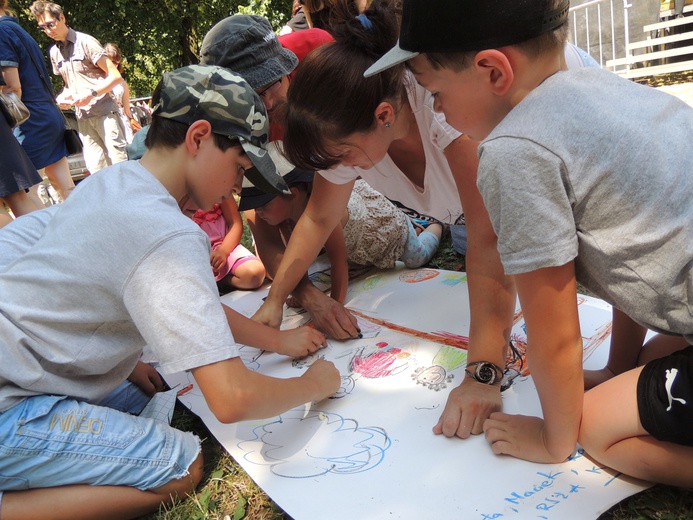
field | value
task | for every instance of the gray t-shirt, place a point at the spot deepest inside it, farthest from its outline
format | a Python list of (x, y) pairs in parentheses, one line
[(599, 169), (117, 266)]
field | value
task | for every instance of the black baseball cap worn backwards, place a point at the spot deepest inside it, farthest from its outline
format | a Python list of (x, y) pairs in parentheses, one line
[(468, 25)]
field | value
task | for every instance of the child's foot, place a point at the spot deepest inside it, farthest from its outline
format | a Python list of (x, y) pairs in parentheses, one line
[(597, 377)]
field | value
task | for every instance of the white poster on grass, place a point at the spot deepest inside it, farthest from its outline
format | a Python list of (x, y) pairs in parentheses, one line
[(369, 451)]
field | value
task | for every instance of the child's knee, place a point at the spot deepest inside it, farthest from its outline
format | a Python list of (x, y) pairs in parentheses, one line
[(184, 486), (252, 273)]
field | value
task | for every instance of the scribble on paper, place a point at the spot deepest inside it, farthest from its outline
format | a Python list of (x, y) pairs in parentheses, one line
[(296, 445), (386, 361), (435, 376)]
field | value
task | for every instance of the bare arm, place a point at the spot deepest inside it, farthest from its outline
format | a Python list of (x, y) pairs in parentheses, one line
[(325, 208), (554, 354), (491, 296), (232, 216), (112, 78), (229, 209), (339, 267), (126, 100), (12, 83), (235, 393), (270, 249), (294, 343)]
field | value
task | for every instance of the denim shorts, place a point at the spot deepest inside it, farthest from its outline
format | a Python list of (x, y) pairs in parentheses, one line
[(49, 441)]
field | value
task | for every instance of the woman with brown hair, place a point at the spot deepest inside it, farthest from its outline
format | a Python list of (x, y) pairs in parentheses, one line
[(382, 129)]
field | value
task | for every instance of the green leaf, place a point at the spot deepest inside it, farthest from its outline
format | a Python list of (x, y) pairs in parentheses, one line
[(239, 512)]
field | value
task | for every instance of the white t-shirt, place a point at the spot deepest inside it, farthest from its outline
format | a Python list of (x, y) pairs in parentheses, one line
[(439, 197), (117, 267)]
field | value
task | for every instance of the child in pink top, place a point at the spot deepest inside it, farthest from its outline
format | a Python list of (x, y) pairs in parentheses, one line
[(234, 267)]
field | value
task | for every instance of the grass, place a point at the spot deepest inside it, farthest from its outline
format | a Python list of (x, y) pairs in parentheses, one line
[(228, 493)]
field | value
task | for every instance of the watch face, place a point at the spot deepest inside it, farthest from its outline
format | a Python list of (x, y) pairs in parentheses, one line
[(486, 373)]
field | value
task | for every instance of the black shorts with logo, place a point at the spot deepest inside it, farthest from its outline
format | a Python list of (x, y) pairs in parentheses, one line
[(665, 397)]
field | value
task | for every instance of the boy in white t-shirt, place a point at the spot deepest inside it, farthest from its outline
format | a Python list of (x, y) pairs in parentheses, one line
[(117, 267)]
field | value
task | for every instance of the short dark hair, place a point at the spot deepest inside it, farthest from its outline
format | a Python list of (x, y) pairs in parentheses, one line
[(329, 98), (168, 133), (40, 8)]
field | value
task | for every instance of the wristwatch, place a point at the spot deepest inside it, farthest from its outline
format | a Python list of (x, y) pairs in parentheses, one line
[(94, 93), (485, 372)]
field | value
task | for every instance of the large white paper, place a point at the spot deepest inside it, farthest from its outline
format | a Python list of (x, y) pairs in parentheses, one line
[(369, 453)]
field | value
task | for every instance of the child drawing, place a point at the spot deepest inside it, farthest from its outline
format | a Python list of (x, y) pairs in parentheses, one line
[(439, 373), (386, 361)]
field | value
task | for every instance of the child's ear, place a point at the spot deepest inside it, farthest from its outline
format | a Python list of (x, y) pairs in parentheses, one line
[(197, 132), (495, 66)]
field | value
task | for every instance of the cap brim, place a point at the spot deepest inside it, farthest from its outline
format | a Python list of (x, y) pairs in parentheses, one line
[(264, 176), (253, 198), (393, 57)]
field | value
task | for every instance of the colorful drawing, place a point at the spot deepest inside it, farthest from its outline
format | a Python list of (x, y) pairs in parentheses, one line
[(370, 283), (453, 279), (439, 373), (345, 448), (384, 362), (420, 275), (453, 340)]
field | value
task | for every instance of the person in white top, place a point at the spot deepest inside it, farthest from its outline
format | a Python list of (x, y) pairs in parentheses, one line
[(388, 134)]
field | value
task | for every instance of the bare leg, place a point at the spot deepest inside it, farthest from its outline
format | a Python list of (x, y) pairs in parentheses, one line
[(103, 502), (248, 276), (626, 342), (612, 434), (659, 346), (21, 203), (58, 174), (5, 217)]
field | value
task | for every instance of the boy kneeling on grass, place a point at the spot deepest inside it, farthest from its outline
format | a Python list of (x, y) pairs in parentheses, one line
[(586, 176), (116, 267)]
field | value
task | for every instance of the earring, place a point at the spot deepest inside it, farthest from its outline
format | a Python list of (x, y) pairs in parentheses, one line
[(387, 125)]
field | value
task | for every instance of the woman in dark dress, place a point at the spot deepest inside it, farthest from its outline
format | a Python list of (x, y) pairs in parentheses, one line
[(17, 174), (42, 135)]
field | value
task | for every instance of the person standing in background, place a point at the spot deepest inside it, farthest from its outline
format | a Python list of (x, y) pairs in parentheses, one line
[(121, 93), (17, 174), (89, 78), (24, 72)]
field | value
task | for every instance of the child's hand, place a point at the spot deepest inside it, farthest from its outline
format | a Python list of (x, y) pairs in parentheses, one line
[(217, 259), (326, 377), (300, 342), (269, 314), (467, 407), (147, 378), (521, 436)]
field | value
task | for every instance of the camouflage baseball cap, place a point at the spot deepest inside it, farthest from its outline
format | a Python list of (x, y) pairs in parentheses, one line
[(223, 98)]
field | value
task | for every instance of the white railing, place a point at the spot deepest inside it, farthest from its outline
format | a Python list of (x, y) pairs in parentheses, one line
[(601, 28)]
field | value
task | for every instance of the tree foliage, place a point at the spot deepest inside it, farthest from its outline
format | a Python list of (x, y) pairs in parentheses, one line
[(154, 35)]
